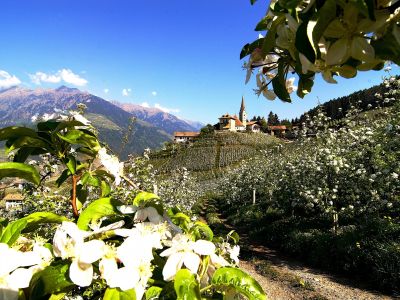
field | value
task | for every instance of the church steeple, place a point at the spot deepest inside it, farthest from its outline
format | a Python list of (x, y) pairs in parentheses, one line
[(242, 108), (242, 113)]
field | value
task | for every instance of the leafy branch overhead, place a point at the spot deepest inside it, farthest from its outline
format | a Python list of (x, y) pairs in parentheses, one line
[(333, 37)]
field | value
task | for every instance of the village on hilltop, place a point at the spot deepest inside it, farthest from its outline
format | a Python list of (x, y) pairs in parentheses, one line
[(234, 123)]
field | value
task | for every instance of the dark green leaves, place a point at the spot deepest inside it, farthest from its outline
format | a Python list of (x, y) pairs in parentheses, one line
[(387, 47), (240, 281), (279, 85), (249, 48), (270, 38), (16, 132), (186, 286), (303, 43), (20, 170)]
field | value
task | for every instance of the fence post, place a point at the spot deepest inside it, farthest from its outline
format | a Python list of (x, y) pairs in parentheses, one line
[(254, 196)]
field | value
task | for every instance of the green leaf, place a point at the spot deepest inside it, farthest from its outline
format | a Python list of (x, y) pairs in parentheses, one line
[(270, 39), (52, 280), (201, 231), (263, 24), (186, 286), (23, 153), (118, 294), (64, 176), (181, 220), (15, 132), (58, 296), (105, 189), (71, 164), (103, 207), (153, 293), (279, 84), (249, 48), (29, 142), (289, 4), (243, 283), (20, 170), (148, 199), (305, 85), (37, 218), (144, 197), (28, 224), (13, 230), (49, 125), (302, 42), (80, 137), (253, 1), (67, 124), (234, 236), (324, 17), (388, 47)]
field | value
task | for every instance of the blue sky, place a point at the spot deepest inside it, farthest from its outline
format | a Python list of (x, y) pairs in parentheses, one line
[(182, 56)]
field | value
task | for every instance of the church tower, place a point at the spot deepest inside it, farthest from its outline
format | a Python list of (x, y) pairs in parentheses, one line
[(242, 113)]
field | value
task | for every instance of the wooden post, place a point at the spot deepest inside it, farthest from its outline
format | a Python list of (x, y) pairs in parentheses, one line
[(254, 196), (155, 189)]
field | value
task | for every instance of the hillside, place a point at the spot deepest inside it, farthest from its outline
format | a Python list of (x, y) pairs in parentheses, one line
[(212, 153), (338, 108), (168, 122), (19, 105)]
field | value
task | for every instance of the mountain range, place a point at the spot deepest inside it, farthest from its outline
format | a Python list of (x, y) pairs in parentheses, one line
[(151, 127)]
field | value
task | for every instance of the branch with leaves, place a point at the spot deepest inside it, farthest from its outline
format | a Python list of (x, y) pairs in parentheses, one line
[(332, 37)]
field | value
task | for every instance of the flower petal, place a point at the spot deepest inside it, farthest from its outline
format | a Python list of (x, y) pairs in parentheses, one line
[(338, 52), (20, 278), (173, 264), (108, 267), (191, 261), (203, 247), (90, 251), (80, 273)]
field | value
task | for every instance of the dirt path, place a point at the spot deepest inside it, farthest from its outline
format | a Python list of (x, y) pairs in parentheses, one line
[(282, 278)]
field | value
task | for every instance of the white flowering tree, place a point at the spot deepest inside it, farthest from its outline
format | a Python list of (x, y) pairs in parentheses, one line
[(113, 247), (329, 37)]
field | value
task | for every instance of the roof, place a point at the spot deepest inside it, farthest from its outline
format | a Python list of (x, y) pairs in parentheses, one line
[(237, 121), (277, 127), (186, 133), (13, 197), (226, 116), (251, 123)]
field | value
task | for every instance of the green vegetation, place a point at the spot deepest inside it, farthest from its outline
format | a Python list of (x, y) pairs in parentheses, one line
[(211, 153), (332, 198)]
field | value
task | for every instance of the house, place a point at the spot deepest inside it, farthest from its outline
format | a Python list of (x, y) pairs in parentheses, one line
[(13, 201), (278, 130), (253, 126), (185, 136), (235, 123)]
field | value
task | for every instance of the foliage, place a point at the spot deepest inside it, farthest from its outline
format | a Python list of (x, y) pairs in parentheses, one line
[(124, 243), (327, 191), (328, 37)]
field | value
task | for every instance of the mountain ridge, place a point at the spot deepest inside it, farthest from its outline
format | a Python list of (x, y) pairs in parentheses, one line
[(18, 106)]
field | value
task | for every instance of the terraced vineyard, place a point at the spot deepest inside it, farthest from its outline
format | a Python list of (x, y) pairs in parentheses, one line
[(212, 153)]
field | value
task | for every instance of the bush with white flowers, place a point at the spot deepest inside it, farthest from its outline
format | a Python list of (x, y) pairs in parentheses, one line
[(112, 246)]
